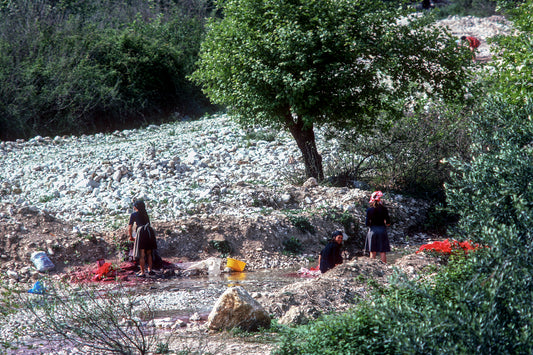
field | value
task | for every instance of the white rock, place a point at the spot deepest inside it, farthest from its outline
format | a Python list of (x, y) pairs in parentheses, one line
[(311, 182), (13, 275), (117, 175), (195, 317)]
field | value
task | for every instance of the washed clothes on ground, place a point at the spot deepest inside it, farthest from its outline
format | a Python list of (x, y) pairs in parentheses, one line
[(330, 256), (377, 238)]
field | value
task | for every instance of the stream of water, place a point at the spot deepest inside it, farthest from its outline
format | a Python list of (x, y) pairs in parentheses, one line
[(186, 296), (255, 281), (180, 298)]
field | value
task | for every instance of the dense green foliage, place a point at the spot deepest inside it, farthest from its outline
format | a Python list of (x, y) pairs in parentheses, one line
[(512, 74), (75, 66), (300, 64), (292, 246), (495, 188), (479, 304), (467, 309)]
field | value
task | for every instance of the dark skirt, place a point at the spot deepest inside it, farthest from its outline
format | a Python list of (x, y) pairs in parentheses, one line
[(143, 241), (377, 239), (147, 243)]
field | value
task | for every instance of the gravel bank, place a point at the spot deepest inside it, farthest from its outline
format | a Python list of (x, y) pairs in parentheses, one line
[(92, 180), (174, 167)]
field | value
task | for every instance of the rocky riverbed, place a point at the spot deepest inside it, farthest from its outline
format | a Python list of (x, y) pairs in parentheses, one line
[(208, 184), (482, 28)]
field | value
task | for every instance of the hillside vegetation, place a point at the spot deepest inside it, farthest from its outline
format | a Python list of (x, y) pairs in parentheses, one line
[(76, 66)]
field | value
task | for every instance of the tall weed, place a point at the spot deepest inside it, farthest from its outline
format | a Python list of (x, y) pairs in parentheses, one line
[(111, 320)]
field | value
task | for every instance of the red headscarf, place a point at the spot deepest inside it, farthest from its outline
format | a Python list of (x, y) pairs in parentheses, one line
[(376, 197)]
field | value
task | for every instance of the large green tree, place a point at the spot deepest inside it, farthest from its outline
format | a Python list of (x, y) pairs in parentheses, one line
[(297, 64)]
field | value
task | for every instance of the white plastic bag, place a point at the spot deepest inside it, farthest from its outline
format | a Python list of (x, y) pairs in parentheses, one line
[(212, 265), (41, 261)]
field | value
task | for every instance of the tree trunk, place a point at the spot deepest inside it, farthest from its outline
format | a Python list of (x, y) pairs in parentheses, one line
[(305, 139)]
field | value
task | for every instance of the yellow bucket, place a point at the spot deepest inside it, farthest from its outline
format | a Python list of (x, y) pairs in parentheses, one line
[(235, 264)]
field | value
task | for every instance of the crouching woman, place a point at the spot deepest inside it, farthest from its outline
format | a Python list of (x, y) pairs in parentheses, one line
[(331, 255)]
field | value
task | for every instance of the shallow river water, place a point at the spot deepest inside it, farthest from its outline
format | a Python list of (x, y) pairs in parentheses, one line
[(187, 299), (182, 297), (253, 281)]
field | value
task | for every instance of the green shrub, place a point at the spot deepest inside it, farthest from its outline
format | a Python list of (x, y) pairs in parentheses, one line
[(348, 333), (303, 224), (439, 219), (406, 156), (78, 67), (494, 189), (261, 135), (292, 245), (462, 311), (222, 246), (349, 224)]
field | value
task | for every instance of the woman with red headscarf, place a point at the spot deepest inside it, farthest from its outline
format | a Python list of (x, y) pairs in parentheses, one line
[(377, 219)]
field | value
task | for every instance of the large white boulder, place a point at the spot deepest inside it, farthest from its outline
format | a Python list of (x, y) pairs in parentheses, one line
[(237, 308)]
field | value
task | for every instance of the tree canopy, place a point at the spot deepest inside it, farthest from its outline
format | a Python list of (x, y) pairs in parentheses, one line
[(76, 66), (296, 64)]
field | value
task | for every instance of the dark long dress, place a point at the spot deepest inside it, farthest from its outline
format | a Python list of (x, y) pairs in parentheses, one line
[(142, 240), (330, 256), (377, 237)]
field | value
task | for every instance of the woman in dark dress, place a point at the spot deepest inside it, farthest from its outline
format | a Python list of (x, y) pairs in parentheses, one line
[(331, 255), (144, 242), (377, 219)]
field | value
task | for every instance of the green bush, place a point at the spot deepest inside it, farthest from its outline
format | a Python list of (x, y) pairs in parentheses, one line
[(405, 156), (465, 309), (347, 333), (222, 246), (493, 195), (292, 245), (73, 67), (303, 224), (349, 224), (494, 189)]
